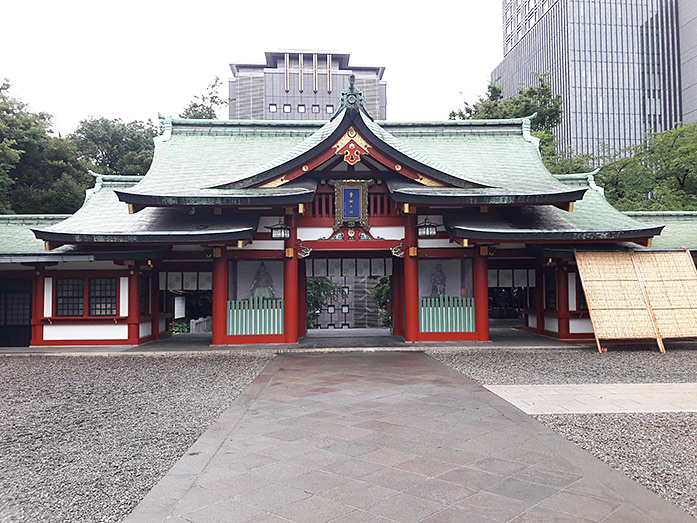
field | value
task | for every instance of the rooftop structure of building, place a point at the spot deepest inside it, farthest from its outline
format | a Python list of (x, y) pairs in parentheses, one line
[(301, 85)]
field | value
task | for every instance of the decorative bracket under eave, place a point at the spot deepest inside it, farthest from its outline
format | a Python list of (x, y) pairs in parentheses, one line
[(352, 146)]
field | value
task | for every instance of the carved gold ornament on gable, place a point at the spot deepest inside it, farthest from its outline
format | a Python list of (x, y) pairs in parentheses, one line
[(351, 146)]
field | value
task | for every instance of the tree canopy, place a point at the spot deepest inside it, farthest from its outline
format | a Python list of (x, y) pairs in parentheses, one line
[(114, 146), (535, 99), (538, 99), (45, 173), (205, 106), (660, 174)]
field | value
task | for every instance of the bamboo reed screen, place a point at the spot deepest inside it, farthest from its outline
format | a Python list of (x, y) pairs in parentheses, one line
[(640, 295)]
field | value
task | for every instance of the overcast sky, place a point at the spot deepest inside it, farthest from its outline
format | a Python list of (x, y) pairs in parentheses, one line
[(132, 59)]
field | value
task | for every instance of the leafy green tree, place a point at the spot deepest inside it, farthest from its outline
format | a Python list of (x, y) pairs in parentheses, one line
[(205, 106), (538, 99), (382, 294), (672, 155), (114, 146), (44, 172), (320, 290), (660, 174), (535, 99)]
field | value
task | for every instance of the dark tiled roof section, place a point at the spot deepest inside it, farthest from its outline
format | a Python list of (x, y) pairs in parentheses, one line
[(411, 192), (593, 219)]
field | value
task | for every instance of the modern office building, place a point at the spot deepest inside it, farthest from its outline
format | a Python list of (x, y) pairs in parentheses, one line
[(301, 85), (688, 58), (623, 67)]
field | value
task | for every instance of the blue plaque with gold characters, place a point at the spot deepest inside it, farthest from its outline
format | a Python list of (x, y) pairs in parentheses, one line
[(351, 203)]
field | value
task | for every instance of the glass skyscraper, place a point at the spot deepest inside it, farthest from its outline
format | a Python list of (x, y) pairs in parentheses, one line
[(616, 63)]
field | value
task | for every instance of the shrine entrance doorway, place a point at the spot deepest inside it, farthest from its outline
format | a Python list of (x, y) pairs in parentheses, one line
[(358, 305)]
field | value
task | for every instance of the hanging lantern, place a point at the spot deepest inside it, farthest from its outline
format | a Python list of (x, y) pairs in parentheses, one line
[(427, 229), (280, 231)]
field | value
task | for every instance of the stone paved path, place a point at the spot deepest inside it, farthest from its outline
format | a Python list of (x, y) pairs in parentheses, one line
[(387, 437), (597, 398)]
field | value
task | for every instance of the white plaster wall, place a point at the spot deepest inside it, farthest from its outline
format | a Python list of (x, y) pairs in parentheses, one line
[(438, 243), (532, 321), (145, 329), (580, 326), (551, 324), (572, 291), (388, 233), (87, 266), (123, 296), (85, 332), (163, 325), (264, 245), (48, 297), (179, 307), (314, 233)]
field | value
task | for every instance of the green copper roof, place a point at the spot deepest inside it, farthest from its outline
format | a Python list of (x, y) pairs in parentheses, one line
[(16, 236), (592, 219), (195, 155), (680, 228), (104, 219), (204, 159)]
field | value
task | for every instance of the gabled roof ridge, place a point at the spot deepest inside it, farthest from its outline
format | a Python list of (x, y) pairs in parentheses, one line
[(458, 123), (189, 122)]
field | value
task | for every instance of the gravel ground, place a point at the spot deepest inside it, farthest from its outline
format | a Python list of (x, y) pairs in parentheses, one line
[(657, 450), (559, 366), (85, 438)]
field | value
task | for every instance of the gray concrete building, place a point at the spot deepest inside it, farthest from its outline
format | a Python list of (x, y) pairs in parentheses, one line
[(301, 85), (688, 58), (623, 67)]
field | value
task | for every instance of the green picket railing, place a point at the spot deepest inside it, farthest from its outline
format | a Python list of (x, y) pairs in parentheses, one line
[(254, 316), (446, 314)]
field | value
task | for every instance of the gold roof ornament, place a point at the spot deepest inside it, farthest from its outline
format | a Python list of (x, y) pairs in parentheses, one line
[(352, 146)]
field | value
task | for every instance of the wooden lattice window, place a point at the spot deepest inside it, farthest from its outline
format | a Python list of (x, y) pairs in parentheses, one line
[(15, 309), (70, 296), (103, 296)]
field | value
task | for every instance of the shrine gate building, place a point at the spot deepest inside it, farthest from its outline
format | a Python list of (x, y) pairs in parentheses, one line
[(251, 209)]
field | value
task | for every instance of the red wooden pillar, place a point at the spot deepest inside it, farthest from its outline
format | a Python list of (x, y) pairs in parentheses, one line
[(220, 296), (411, 282), (133, 306), (397, 297), (302, 298), (37, 309), (481, 295), (563, 299), (290, 285)]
